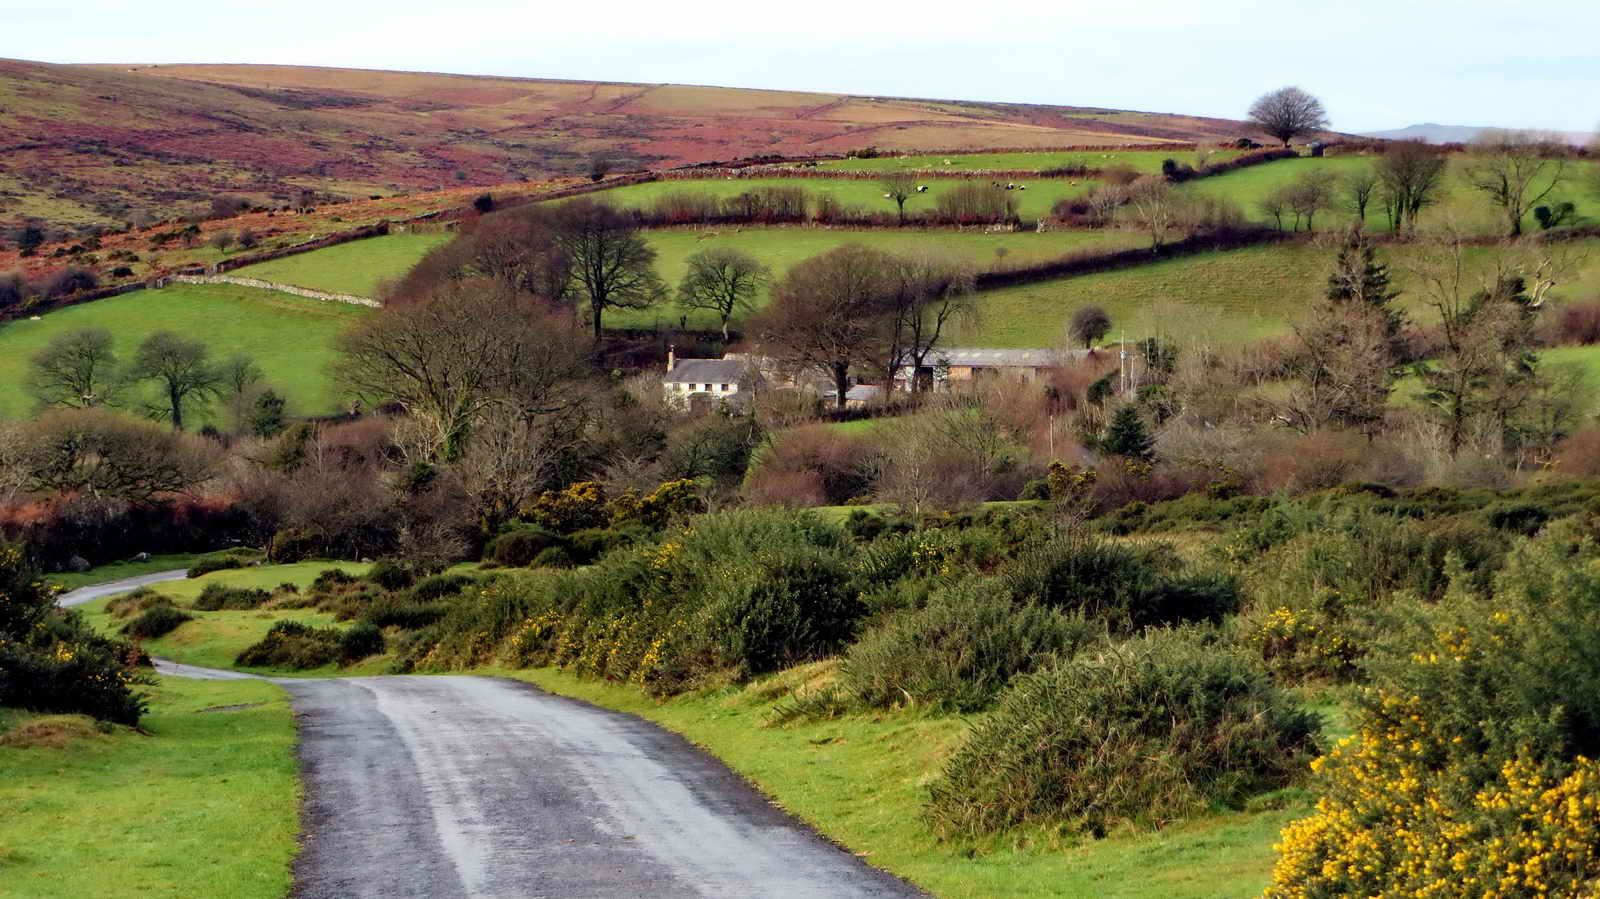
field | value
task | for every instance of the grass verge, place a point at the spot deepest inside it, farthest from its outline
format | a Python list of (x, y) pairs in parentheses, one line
[(116, 571), (210, 796)]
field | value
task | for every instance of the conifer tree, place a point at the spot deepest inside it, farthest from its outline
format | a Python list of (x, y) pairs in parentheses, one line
[(1128, 437)]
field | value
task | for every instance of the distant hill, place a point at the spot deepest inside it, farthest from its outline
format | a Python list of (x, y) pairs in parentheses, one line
[(1459, 134), (87, 144)]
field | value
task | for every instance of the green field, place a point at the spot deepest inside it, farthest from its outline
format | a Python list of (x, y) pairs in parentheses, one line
[(357, 267), (781, 248), (205, 803), (1029, 161), (292, 338), (1223, 297), (116, 571), (867, 195)]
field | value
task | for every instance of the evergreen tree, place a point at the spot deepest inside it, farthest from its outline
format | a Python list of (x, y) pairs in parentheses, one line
[(1128, 437), (1358, 277)]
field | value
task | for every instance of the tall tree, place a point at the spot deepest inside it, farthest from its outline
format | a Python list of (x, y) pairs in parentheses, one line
[(1409, 176), (1359, 278), (927, 296), (1128, 436), (180, 368), (1515, 170), (1357, 190), (612, 265), (103, 454), (826, 313), (471, 350), (1310, 194), (724, 281), (1288, 113), (899, 187), (78, 369)]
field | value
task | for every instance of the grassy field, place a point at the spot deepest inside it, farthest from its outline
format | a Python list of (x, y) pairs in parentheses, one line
[(210, 795), (290, 337), (213, 639), (356, 267), (1223, 297), (1032, 161), (781, 248), (1031, 203)]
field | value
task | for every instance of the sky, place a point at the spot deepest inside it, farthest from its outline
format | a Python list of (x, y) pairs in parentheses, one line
[(1375, 65)]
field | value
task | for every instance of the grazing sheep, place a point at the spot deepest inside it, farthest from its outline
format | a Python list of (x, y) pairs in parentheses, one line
[(888, 196), (1022, 187), (922, 188)]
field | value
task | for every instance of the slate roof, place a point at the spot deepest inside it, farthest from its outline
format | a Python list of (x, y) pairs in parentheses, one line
[(982, 358), (705, 371)]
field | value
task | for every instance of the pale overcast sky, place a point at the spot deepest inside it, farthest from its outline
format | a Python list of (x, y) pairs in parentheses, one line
[(1376, 64)]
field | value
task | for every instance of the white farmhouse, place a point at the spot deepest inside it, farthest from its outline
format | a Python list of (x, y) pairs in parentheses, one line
[(688, 382)]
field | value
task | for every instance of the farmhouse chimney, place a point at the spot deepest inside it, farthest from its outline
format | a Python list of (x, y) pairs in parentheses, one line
[(671, 357)]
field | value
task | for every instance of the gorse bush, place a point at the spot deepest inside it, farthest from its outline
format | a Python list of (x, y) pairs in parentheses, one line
[(297, 645), (389, 574), (218, 563), (957, 653), (50, 661), (219, 596), (518, 548), (1143, 732), (157, 620), (1473, 761), (133, 603), (781, 607), (1130, 587)]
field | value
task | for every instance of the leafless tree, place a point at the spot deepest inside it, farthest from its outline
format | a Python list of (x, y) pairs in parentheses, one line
[(1288, 113), (612, 265), (600, 165), (1515, 170), (1154, 208), (826, 313), (1410, 175), (181, 369), (473, 350), (106, 455), (1312, 193), (78, 369), (724, 281), (929, 295), (899, 187), (1357, 190), (1342, 370)]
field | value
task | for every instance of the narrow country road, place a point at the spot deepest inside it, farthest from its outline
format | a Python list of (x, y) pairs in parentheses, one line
[(88, 594), (456, 787)]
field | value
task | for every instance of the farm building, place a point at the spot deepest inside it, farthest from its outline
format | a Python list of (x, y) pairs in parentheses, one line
[(688, 382), (946, 369)]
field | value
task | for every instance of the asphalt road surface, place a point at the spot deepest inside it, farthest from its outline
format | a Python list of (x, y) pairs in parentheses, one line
[(87, 594), (454, 787)]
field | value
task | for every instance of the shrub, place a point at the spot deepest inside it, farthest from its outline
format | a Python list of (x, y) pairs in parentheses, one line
[(960, 651), (218, 563), (293, 644), (359, 641), (133, 603), (554, 557), (785, 608), (329, 578), (1128, 587), (1157, 728), (218, 596), (1473, 756), (518, 548), (403, 612), (390, 575), (50, 661), (156, 621), (813, 465), (440, 586)]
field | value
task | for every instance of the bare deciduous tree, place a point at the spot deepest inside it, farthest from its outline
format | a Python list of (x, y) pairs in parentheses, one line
[(1288, 113), (473, 350), (724, 281), (182, 370), (103, 454), (77, 369), (826, 313), (929, 295), (1409, 177), (1357, 190), (613, 267), (1515, 170), (899, 187), (1310, 194)]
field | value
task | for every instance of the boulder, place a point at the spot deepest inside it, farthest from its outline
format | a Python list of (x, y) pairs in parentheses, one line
[(77, 564)]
